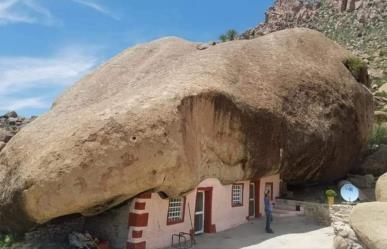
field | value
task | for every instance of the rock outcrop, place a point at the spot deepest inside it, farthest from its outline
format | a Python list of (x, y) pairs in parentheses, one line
[(381, 188), (165, 115), (345, 236), (10, 124), (369, 220), (358, 25), (376, 163)]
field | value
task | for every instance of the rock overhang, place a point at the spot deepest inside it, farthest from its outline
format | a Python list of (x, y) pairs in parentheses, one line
[(165, 115)]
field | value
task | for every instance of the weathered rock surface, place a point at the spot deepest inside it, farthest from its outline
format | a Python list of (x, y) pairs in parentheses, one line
[(362, 181), (381, 188), (369, 220), (376, 163), (383, 88), (163, 116)]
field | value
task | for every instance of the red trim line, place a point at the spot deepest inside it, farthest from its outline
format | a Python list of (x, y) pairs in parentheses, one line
[(136, 234), (212, 229), (139, 205), (138, 245), (138, 220), (144, 195)]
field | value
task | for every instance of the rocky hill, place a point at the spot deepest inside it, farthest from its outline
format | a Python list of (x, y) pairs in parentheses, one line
[(358, 25), (10, 124)]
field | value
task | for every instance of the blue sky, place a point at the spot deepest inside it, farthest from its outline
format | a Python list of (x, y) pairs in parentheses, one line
[(46, 45)]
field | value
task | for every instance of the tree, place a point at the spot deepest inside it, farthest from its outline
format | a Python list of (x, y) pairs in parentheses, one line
[(223, 38), (230, 35)]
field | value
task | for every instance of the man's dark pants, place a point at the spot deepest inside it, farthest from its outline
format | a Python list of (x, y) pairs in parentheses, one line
[(268, 220)]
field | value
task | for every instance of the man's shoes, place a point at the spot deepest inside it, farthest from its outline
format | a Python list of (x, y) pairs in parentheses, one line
[(269, 231)]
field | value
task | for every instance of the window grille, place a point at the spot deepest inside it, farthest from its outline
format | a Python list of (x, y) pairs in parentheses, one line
[(237, 194), (175, 209)]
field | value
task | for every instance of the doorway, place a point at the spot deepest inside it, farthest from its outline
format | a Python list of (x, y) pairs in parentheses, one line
[(252, 200), (269, 186), (199, 212), (203, 211)]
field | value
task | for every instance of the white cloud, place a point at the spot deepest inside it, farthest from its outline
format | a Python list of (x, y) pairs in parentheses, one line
[(95, 6), (24, 72), (24, 11), (32, 12), (7, 104), (34, 77)]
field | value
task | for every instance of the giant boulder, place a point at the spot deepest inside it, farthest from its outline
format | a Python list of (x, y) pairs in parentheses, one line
[(381, 188), (369, 220), (165, 115)]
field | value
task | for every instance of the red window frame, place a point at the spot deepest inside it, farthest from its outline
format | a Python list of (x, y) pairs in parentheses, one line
[(170, 222), (239, 204)]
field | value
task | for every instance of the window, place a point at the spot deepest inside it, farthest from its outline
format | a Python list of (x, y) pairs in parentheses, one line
[(237, 195), (176, 210)]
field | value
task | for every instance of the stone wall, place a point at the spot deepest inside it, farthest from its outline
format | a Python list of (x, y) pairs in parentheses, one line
[(56, 230), (318, 212), (111, 226), (345, 237), (52, 235)]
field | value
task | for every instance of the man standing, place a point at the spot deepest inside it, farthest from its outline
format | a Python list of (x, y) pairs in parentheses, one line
[(268, 211)]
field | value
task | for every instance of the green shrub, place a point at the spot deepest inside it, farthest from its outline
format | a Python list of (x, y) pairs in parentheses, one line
[(358, 68), (223, 38), (381, 94), (378, 136), (6, 240), (230, 35), (380, 81), (330, 192)]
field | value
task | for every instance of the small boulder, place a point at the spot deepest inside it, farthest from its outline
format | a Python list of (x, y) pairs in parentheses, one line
[(369, 220), (381, 188), (5, 135), (11, 114), (383, 88), (380, 116), (202, 46), (362, 181), (376, 163), (340, 243)]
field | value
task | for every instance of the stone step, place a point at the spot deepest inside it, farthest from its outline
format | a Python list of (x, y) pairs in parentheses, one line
[(286, 213), (284, 206)]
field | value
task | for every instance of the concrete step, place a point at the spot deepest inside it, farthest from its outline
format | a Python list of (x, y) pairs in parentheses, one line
[(284, 206), (286, 213)]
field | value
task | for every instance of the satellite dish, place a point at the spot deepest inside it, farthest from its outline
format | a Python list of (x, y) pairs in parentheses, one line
[(349, 192)]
